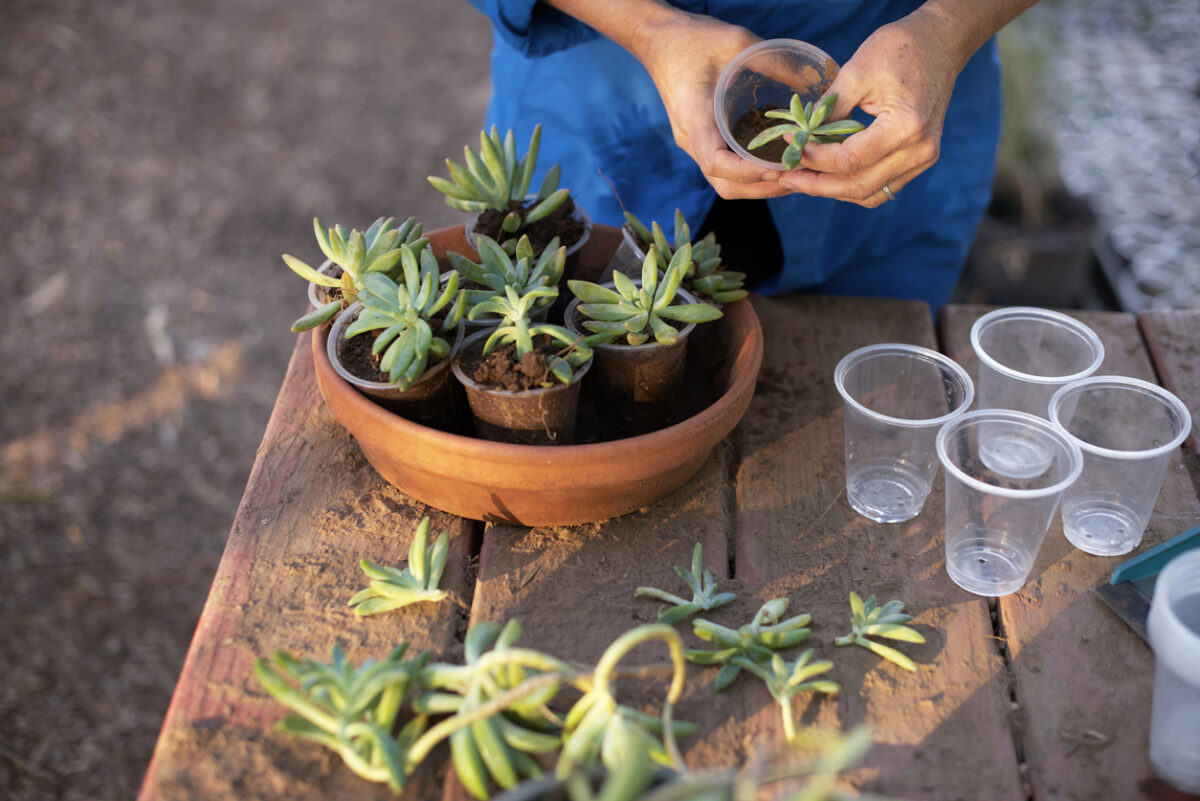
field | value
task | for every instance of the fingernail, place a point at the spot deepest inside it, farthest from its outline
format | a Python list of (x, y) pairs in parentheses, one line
[(770, 176)]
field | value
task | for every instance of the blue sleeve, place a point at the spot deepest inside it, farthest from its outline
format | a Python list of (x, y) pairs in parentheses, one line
[(534, 29)]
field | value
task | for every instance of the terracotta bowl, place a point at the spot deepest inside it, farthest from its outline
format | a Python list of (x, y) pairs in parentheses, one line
[(535, 485)]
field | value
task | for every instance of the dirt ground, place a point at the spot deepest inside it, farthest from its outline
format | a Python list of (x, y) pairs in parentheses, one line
[(155, 161)]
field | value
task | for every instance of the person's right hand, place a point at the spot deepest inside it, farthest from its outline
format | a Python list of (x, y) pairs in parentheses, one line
[(684, 54)]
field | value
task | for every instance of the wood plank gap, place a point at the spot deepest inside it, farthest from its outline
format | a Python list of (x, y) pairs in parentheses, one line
[(1016, 718), (729, 503), (471, 568)]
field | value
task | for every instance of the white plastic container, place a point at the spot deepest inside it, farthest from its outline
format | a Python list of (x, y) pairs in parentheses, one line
[(1174, 631)]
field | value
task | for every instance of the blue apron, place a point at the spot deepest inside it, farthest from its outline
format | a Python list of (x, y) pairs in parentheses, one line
[(604, 123)]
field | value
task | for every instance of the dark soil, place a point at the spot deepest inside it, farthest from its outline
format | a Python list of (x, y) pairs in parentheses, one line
[(559, 223), (356, 356), (503, 369), (156, 160), (754, 122)]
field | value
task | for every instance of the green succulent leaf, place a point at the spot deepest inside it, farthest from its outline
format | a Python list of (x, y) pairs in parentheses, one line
[(309, 274), (317, 317), (839, 128), (639, 230), (691, 313), (771, 134)]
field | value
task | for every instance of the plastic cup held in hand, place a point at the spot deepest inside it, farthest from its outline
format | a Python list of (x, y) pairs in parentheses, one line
[(767, 74), (1174, 631), (895, 397), (1025, 355), (995, 522), (1127, 430)]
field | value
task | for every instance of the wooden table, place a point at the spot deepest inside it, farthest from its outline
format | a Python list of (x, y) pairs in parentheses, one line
[(1043, 694)]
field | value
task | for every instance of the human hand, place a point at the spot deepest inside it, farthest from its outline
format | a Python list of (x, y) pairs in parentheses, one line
[(902, 75), (684, 54)]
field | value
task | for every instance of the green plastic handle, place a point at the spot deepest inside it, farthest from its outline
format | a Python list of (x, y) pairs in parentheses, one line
[(1152, 561)]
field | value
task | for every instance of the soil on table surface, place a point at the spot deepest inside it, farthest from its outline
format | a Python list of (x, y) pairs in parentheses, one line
[(559, 223), (754, 122)]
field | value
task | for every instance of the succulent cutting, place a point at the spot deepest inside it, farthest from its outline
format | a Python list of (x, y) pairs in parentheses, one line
[(704, 277), (786, 680), (495, 178), (633, 312), (704, 592), (357, 254), (498, 269), (352, 711), (404, 313), (805, 123), (391, 588), (868, 619), (756, 641)]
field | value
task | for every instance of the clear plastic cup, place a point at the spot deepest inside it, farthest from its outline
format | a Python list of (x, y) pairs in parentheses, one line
[(895, 397), (1025, 355), (768, 74), (1174, 631), (995, 523), (1127, 430)]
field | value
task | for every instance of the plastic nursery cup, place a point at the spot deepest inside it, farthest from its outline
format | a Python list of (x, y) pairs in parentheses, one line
[(995, 523), (895, 397), (768, 74), (1025, 355), (1174, 631), (1127, 430)]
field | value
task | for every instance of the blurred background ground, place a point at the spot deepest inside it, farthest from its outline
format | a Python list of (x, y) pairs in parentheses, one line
[(155, 161)]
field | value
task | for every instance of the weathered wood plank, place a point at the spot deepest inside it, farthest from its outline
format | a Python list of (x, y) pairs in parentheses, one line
[(572, 588), (1173, 339), (1083, 679), (313, 507), (943, 731)]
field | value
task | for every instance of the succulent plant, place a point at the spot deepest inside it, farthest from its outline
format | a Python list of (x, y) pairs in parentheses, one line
[(785, 680), (497, 269), (494, 177), (704, 278), (391, 588), (351, 711), (805, 122), (868, 619), (404, 314), (635, 313), (516, 328), (756, 641), (357, 253), (704, 591), (495, 748), (598, 729)]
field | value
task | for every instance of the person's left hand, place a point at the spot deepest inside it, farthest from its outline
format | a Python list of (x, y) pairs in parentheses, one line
[(902, 75)]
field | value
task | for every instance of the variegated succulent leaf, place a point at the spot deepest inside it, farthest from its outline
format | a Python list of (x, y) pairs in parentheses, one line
[(868, 619), (804, 122)]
